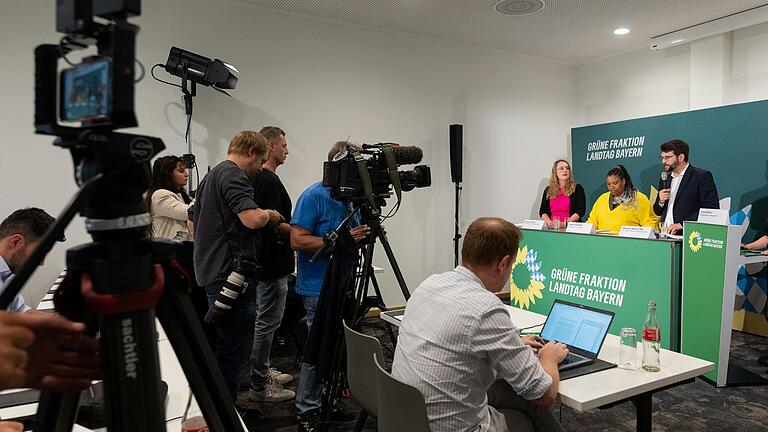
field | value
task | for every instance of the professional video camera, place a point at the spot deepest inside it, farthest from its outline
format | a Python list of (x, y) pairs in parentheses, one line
[(352, 170)]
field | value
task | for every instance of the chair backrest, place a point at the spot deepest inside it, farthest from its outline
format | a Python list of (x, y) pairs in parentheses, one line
[(361, 371), (401, 406)]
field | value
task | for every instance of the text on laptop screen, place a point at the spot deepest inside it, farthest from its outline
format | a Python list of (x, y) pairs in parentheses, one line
[(574, 326)]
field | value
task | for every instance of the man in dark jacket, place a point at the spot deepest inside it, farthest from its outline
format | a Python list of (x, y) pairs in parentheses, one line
[(689, 189)]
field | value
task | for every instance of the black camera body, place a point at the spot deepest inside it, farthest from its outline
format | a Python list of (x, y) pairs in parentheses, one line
[(246, 265), (343, 173), (243, 267), (85, 103), (99, 92)]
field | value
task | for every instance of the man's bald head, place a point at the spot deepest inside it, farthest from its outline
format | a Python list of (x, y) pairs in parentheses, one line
[(489, 239)]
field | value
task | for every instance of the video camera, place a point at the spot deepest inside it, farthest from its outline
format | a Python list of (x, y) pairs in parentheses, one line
[(85, 103), (352, 171), (99, 92)]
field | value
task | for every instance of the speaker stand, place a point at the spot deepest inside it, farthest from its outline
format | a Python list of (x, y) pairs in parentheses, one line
[(456, 235)]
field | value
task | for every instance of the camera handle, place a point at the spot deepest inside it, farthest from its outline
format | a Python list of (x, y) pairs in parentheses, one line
[(329, 238)]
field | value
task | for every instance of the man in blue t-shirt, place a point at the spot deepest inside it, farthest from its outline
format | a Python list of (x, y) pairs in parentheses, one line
[(316, 214)]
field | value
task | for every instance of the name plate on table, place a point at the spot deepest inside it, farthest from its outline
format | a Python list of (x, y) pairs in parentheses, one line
[(580, 228), (534, 224), (713, 216), (637, 232)]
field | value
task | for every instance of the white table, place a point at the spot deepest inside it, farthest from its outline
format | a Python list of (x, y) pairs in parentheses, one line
[(612, 386)]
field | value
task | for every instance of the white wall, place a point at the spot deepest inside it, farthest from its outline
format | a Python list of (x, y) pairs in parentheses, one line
[(321, 81), (726, 69)]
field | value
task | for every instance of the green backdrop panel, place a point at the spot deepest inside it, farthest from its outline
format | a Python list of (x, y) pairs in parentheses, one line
[(611, 273), (702, 303), (729, 141)]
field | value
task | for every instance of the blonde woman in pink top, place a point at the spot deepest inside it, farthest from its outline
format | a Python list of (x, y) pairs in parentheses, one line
[(563, 199)]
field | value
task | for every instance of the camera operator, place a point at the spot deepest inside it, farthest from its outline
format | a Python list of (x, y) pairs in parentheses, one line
[(316, 214), (277, 261), (224, 217)]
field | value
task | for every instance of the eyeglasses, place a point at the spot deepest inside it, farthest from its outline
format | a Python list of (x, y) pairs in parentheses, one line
[(668, 157), (563, 169)]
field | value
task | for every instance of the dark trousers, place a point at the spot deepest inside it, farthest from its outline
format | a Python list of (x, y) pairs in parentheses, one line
[(502, 397), (235, 334)]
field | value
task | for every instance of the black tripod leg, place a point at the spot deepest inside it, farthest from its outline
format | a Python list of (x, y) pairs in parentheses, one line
[(365, 276), (393, 262), (56, 412), (132, 372), (382, 306), (181, 324), (377, 290)]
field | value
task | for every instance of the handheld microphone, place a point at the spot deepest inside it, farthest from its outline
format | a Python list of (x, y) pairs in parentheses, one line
[(666, 181)]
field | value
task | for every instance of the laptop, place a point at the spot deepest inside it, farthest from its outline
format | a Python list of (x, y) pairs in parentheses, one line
[(581, 328)]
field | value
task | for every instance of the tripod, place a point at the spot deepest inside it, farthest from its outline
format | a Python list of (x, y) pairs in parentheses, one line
[(363, 302), (116, 284)]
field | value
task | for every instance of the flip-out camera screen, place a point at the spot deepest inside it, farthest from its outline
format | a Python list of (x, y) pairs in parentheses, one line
[(85, 92)]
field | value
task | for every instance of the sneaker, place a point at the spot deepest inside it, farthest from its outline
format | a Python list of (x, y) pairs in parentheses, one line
[(310, 423), (279, 377), (272, 392)]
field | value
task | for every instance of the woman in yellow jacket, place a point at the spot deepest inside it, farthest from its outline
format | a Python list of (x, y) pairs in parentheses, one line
[(622, 204)]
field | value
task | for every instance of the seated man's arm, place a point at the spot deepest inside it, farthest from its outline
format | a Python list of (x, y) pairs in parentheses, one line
[(550, 356), (303, 240), (532, 378)]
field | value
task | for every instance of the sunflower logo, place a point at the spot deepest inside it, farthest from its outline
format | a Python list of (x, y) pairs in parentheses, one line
[(694, 241), (526, 281)]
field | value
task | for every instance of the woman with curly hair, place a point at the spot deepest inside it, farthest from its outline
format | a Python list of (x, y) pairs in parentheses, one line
[(622, 205)]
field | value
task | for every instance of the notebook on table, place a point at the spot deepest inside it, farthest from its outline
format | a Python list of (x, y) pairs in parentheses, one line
[(582, 329)]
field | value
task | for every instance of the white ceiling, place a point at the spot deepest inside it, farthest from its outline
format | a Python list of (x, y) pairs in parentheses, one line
[(573, 31)]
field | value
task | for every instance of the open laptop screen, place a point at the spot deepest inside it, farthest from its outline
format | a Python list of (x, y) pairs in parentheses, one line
[(577, 326)]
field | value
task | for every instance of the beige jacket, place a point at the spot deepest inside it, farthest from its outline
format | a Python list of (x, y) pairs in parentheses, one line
[(169, 214)]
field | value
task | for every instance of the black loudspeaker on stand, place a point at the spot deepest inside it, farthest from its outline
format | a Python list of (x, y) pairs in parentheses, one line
[(456, 138)]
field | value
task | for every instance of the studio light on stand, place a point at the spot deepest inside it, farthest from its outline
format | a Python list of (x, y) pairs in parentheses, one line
[(196, 69)]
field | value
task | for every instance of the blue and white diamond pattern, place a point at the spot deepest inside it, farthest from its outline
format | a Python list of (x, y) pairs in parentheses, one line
[(533, 266), (752, 290)]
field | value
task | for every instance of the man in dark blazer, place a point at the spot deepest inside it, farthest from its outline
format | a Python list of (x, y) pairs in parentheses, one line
[(687, 190)]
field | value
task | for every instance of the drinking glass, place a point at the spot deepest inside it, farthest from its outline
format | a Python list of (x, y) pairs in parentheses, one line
[(629, 357)]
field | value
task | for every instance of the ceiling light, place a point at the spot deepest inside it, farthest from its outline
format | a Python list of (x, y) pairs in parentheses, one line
[(518, 7), (621, 31)]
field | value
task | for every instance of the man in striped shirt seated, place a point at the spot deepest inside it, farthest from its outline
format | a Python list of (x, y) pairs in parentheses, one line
[(458, 346)]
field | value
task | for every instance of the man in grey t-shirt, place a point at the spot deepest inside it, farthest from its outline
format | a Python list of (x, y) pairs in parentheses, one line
[(224, 217)]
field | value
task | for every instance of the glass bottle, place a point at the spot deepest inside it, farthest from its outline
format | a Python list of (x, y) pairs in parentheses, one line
[(651, 340)]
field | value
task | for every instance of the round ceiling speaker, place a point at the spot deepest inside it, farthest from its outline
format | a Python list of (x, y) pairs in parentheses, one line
[(519, 7)]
